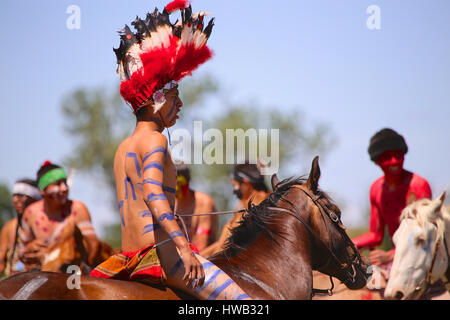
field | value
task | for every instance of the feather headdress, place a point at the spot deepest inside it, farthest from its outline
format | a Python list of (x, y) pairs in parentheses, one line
[(160, 53)]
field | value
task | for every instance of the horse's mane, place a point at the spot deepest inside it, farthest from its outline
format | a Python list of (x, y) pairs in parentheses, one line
[(257, 219), (419, 212)]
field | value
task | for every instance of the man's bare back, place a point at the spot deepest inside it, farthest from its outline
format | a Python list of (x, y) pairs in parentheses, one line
[(140, 160)]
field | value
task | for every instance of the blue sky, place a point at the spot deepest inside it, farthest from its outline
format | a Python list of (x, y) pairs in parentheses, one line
[(315, 56)]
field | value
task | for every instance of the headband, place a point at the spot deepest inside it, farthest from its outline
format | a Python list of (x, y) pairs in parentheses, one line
[(50, 177), (27, 190)]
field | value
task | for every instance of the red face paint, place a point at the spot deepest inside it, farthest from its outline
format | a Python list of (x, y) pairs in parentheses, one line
[(391, 162)]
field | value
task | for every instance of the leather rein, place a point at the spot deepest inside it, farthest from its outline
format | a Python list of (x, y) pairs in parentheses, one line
[(351, 276), (445, 253)]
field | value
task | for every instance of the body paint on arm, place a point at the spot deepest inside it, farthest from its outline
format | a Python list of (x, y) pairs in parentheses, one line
[(167, 215), (157, 149), (155, 165)]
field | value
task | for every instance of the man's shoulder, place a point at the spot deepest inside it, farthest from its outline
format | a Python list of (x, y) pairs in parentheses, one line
[(33, 208), (10, 225), (418, 180), (377, 185), (77, 204), (419, 183), (203, 197)]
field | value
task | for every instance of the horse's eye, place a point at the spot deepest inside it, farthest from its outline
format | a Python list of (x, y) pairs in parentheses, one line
[(420, 241)]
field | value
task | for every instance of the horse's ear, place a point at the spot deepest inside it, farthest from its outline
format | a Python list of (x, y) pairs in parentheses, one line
[(442, 197), (314, 175), (411, 198), (274, 180), (441, 200)]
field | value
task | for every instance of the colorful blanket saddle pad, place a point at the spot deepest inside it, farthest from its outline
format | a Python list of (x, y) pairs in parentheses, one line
[(142, 264)]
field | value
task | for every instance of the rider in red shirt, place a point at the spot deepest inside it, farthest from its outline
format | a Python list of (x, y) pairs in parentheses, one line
[(389, 193)]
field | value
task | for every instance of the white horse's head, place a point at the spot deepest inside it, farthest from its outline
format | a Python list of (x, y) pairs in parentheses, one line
[(419, 240)]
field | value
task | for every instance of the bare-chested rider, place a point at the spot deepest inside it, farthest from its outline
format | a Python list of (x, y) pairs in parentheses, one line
[(24, 193), (145, 174), (248, 185), (192, 206), (46, 221)]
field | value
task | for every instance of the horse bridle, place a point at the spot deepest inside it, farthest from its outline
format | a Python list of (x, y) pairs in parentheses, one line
[(351, 276), (424, 284)]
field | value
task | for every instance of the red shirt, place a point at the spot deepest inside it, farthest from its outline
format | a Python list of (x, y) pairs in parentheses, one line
[(386, 207)]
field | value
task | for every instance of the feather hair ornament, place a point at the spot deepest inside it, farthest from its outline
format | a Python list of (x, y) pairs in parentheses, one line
[(159, 53)]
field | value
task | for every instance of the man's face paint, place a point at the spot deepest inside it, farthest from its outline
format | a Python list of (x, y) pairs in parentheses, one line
[(391, 162), (58, 191), (182, 187), (237, 189)]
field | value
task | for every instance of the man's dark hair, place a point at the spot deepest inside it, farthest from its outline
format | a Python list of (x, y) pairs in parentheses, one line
[(386, 140), (250, 172), (183, 170)]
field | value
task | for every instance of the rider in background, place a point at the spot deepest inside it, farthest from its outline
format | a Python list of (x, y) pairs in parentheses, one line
[(24, 193), (389, 194), (44, 221), (248, 185), (202, 230)]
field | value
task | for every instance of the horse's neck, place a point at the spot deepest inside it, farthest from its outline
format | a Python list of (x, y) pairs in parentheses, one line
[(284, 274)]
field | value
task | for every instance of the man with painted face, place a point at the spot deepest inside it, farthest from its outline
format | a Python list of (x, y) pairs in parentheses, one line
[(201, 229), (45, 221), (24, 193), (389, 194), (248, 185)]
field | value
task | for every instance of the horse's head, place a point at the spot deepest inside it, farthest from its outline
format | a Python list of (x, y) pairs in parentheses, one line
[(420, 249), (333, 252)]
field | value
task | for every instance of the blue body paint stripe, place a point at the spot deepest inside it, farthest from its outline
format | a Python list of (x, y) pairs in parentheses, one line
[(121, 212), (136, 162), (213, 277), (167, 215), (175, 268), (219, 289), (150, 227), (158, 149), (243, 296), (154, 197), (208, 265), (145, 213), (171, 111), (175, 234), (155, 165), (169, 189), (152, 181), (127, 179)]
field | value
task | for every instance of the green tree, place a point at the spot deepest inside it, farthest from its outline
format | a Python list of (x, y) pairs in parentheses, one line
[(98, 121), (6, 206)]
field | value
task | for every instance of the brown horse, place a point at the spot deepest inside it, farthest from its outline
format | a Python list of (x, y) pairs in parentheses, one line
[(270, 255), (71, 250)]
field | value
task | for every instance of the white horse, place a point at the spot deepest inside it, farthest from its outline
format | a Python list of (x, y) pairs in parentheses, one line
[(422, 249)]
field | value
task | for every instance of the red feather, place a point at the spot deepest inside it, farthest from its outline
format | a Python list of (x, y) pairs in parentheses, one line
[(177, 5), (46, 163)]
